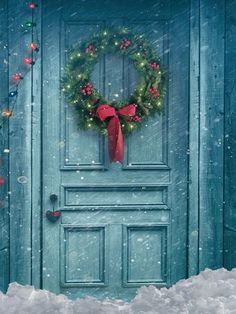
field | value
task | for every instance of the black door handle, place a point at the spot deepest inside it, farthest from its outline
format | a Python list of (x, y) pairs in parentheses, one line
[(53, 198)]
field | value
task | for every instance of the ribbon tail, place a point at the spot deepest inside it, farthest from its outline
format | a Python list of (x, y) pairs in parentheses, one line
[(115, 140)]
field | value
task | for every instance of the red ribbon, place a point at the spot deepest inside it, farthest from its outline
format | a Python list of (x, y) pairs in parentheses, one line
[(115, 136)]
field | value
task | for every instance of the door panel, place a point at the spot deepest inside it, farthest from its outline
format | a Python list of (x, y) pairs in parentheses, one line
[(122, 226)]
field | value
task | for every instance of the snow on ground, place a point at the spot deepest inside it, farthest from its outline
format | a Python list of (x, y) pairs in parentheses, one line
[(211, 292)]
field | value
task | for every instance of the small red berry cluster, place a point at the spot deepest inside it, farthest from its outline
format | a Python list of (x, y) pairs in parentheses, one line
[(136, 119), (154, 92), (155, 66), (90, 49), (87, 89), (125, 43)]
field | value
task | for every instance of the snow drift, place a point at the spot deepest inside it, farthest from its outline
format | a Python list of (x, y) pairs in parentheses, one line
[(211, 292)]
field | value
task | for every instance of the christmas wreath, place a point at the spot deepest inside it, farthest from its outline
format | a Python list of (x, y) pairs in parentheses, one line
[(114, 118)]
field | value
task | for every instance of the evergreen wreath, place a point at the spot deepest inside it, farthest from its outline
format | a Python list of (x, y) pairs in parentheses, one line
[(96, 112)]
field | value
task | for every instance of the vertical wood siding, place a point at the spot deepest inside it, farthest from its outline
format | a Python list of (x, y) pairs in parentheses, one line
[(230, 137), (211, 123), (4, 217)]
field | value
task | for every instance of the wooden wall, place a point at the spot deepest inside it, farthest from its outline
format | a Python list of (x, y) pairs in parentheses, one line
[(212, 136)]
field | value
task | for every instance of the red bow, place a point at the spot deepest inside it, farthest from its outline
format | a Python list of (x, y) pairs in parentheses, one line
[(115, 136)]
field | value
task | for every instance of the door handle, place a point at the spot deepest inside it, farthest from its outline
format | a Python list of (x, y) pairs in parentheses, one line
[(53, 198), (53, 215)]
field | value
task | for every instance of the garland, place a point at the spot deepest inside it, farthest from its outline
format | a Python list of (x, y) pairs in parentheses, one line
[(95, 111)]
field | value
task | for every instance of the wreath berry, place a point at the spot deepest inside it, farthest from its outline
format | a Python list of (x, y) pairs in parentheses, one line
[(114, 118)]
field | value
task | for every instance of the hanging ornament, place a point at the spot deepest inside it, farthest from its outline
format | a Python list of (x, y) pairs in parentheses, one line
[(28, 61), (7, 113), (33, 5), (17, 77), (13, 93), (34, 47)]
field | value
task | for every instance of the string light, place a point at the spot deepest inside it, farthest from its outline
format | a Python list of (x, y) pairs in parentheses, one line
[(30, 24), (33, 5), (28, 61), (34, 46), (7, 114), (17, 77), (13, 93)]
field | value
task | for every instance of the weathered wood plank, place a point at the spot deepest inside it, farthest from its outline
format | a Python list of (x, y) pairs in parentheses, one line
[(194, 140), (4, 273), (36, 160), (230, 137), (211, 133), (178, 135), (51, 114), (4, 217), (20, 143)]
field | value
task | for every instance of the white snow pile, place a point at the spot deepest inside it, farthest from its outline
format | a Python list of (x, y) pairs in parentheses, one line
[(211, 292)]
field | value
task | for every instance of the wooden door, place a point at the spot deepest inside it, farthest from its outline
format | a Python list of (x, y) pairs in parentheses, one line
[(122, 226)]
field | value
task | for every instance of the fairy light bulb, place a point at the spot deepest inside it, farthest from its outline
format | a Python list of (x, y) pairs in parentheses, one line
[(28, 61), (7, 113), (33, 5), (30, 24), (17, 77), (13, 93), (34, 46)]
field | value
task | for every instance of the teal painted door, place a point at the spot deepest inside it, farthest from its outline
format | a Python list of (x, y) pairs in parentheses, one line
[(122, 226)]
